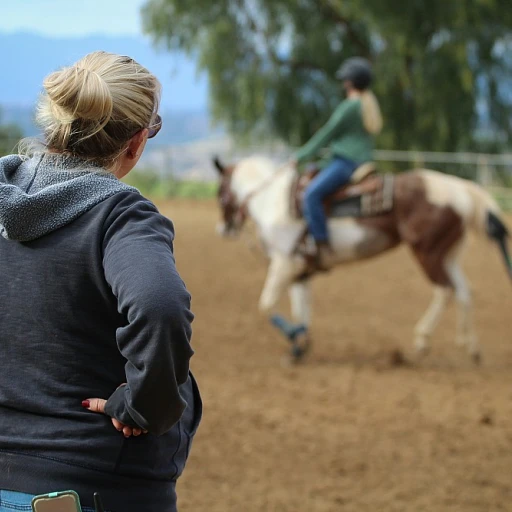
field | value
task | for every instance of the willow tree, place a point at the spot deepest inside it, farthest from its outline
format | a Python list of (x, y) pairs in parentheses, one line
[(443, 76)]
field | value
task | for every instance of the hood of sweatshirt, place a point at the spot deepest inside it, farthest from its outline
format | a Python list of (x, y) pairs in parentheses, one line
[(47, 191)]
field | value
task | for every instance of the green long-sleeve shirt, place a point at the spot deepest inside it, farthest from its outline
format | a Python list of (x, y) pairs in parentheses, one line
[(344, 134)]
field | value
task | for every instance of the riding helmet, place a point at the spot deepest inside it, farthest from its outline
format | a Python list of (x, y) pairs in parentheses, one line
[(358, 71)]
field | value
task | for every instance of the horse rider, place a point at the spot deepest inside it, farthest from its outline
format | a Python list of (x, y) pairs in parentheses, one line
[(349, 134)]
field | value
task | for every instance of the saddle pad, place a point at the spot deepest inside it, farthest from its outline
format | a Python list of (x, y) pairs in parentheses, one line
[(367, 204)]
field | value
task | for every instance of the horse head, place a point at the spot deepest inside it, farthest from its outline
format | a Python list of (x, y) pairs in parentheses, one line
[(232, 214)]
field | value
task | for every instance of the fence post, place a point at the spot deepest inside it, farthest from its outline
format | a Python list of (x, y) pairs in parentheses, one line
[(418, 160), (484, 175)]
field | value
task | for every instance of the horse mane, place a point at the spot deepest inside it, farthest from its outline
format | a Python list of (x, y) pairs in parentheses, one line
[(256, 166)]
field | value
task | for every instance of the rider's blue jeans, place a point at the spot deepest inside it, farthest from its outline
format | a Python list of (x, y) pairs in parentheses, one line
[(336, 174), (11, 501)]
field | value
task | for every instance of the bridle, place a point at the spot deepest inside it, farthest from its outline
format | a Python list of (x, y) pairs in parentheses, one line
[(234, 215)]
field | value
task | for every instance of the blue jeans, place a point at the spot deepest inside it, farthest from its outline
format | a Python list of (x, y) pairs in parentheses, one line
[(18, 501), (336, 174)]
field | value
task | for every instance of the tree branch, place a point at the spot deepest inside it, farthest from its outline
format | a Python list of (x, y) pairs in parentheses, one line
[(276, 59), (334, 15), (298, 64)]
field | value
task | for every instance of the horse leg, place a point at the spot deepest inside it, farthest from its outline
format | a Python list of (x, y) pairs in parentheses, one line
[(300, 300), (425, 327), (281, 274), (466, 335)]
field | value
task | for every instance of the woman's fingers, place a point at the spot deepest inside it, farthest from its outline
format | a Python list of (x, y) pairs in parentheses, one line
[(98, 405), (95, 404), (117, 424), (126, 429)]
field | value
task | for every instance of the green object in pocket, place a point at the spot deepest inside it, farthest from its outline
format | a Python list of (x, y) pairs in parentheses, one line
[(64, 501)]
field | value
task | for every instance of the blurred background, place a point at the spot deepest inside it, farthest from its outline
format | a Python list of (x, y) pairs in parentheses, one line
[(351, 429), (245, 76)]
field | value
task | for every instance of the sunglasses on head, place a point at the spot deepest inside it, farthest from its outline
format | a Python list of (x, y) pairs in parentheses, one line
[(154, 128)]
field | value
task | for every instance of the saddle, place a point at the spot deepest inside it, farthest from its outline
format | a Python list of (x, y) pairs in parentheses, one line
[(367, 193)]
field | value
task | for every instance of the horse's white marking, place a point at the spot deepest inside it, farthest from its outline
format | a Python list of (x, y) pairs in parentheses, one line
[(425, 327), (283, 237), (469, 200), (466, 335), (221, 229), (442, 190), (346, 236), (300, 299), (281, 273)]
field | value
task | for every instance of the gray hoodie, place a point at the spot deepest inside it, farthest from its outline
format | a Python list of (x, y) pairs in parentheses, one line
[(91, 298)]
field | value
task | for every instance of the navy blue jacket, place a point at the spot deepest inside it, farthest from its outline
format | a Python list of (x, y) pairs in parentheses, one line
[(90, 299)]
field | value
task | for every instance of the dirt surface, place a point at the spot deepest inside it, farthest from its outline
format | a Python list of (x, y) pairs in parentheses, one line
[(360, 425)]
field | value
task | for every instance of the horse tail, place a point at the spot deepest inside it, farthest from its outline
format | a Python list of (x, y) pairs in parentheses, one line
[(498, 232), (488, 219)]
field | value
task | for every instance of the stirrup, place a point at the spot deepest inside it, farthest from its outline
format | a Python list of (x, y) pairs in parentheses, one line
[(320, 261), (312, 254)]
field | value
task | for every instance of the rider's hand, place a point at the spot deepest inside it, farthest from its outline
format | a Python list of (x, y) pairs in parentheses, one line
[(98, 405)]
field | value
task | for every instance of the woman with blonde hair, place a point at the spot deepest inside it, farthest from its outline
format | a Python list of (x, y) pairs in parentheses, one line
[(95, 389), (350, 133)]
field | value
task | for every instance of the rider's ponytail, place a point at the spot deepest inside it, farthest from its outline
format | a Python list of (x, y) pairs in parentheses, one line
[(372, 117)]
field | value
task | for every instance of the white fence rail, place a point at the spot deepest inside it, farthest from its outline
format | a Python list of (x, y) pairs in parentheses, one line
[(193, 161), (179, 159)]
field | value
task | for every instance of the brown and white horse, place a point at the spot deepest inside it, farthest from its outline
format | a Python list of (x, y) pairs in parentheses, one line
[(431, 212)]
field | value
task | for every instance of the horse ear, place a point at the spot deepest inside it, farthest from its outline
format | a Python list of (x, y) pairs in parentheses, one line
[(218, 165)]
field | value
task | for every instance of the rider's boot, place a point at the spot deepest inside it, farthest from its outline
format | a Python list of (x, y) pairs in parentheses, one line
[(324, 256), (319, 256)]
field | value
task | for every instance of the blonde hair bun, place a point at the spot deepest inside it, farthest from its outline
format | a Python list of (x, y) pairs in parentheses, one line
[(79, 93), (92, 108)]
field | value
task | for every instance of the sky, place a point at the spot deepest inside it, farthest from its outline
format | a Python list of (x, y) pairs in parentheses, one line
[(81, 20), (71, 18)]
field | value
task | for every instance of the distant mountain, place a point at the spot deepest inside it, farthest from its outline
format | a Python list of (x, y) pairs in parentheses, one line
[(27, 58), (178, 125)]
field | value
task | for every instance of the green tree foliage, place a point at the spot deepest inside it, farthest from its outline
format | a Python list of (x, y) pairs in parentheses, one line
[(10, 135), (271, 64)]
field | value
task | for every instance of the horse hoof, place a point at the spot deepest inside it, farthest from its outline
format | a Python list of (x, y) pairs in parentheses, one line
[(294, 357), (289, 361), (422, 351), (298, 352)]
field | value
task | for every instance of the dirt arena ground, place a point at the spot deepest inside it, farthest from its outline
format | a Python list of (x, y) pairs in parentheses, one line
[(348, 430)]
